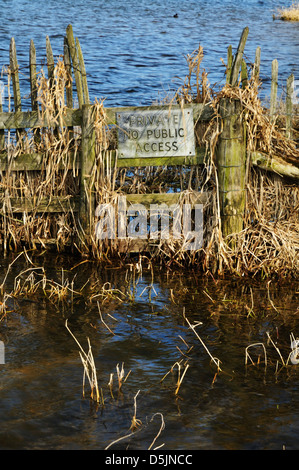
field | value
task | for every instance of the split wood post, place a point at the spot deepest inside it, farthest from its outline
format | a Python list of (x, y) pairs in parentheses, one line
[(76, 63), (83, 73), (274, 86), (2, 132), (289, 106), (88, 160), (231, 166), (229, 63), (14, 70), (237, 62), (69, 84), (257, 63), (33, 85)]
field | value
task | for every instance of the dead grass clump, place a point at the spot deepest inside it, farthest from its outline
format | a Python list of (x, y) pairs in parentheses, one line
[(289, 14)]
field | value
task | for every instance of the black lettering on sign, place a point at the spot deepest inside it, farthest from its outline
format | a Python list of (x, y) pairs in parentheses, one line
[(155, 133)]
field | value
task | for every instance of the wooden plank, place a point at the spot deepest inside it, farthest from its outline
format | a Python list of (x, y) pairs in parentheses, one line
[(14, 69), (231, 166), (83, 73), (73, 117), (196, 159), (229, 63), (32, 119), (87, 162), (2, 132), (274, 164), (54, 204), (34, 162), (257, 62), (244, 74), (68, 66), (75, 62), (33, 83), (289, 106), (201, 112), (238, 58), (50, 61), (274, 85), (165, 198)]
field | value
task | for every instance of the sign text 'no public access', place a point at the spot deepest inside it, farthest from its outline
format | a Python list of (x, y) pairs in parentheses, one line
[(156, 133)]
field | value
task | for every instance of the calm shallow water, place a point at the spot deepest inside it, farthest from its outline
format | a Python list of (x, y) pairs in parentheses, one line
[(132, 54), (243, 407)]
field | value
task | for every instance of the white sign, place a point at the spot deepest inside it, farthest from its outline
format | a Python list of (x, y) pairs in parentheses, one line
[(156, 133)]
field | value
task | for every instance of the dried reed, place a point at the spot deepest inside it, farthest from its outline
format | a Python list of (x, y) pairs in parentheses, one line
[(268, 244), (289, 14)]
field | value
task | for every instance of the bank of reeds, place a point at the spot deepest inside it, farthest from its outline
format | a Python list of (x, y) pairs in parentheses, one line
[(288, 13), (269, 242)]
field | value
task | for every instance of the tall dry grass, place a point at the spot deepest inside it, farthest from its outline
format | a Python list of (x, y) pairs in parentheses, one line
[(269, 241), (289, 13)]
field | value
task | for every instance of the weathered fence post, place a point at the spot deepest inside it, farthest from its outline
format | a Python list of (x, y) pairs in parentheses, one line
[(88, 159), (231, 166)]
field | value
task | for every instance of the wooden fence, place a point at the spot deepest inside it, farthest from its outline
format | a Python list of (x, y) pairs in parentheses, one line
[(231, 148)]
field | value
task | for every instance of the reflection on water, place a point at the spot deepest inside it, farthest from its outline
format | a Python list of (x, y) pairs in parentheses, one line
[(132, 53), (143, 325)]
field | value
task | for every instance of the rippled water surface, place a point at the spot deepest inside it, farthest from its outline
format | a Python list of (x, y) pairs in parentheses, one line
[(133, 51)]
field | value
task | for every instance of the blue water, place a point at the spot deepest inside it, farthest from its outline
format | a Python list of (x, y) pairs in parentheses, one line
[(135, 51), (135, 54)]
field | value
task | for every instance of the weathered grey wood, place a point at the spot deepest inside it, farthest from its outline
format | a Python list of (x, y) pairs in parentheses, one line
[(14, 69), (68, 66), (32, 119), (274, 164), (229, 63), (274, 85), (165, 198), (75, 62), (56, 204), (2, 131), (289, 106), (50, 61), (201, 112), (238, 58), (33, 85), (33, 76), (231, 166), (83, 73), (88, 160), (257, 62), (33, 162), (244, 74)]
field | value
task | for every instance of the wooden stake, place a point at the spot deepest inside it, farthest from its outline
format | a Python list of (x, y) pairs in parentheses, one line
[(238, 58), (83, 73), (87, 203), (289, 106), (231, 165), (76, 65), (274, 85)]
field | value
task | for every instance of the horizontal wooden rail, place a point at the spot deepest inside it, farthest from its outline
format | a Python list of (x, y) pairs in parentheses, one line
[(45, 204), (73, 117)]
